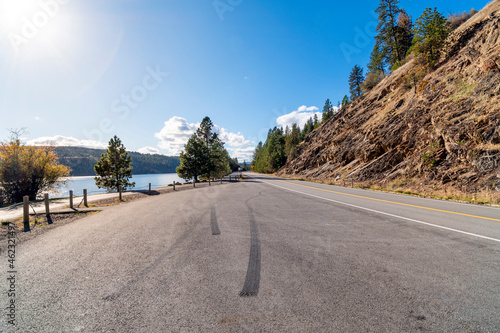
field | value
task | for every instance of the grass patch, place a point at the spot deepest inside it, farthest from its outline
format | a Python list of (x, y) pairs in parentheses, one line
[(464, 90)]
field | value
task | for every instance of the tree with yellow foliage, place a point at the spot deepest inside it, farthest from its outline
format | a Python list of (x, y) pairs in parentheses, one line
[(28, 170)]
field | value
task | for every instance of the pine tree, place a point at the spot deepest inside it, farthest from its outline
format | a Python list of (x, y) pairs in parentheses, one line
[(345, 101), (308, 127), (388, 38), (327, 110), (355, 80), (376, 67), (377, 62), (204, 154), (114, 168), (394, 36), (404, 32), (431, 31), (292, 140), (194, 159)]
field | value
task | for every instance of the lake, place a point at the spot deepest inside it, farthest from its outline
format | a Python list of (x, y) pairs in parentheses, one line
[(78, 184)]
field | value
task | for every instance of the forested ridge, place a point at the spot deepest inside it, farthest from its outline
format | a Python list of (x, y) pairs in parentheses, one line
[(82, 160)]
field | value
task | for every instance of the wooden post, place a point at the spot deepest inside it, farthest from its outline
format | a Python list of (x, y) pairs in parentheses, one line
[(174, 185), (46, 199), (149, 192), (120, 192), (47, 208), (194, 182), (71, 199), (85, 202), (26, 206)]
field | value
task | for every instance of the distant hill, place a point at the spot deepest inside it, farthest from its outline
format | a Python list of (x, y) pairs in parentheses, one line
[(82, 161)]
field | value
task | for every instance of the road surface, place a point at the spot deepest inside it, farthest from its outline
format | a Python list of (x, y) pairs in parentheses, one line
[(264, 255)]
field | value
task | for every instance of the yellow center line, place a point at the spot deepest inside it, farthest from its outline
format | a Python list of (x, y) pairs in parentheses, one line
[(392, 202)]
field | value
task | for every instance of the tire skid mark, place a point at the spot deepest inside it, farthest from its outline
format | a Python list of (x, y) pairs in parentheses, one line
[(252, 280), (214, 223)]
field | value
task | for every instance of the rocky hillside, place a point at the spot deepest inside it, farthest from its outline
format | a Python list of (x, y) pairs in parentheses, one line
[(438, 131)]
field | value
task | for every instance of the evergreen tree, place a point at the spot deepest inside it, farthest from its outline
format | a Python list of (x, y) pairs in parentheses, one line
[(355, 80), (387, 36), (292, 140), (376, 67), (345, 101), (114, 168), (308, 127), (256, 154), (204, 154), (220, 161), (316, 121), (404, 31), (194, 159), (327, 110), (377, 62), (206, 133), (431, 31)]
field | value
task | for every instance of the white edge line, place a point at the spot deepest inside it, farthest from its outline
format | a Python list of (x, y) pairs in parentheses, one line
[(399, 195), (388, 214)]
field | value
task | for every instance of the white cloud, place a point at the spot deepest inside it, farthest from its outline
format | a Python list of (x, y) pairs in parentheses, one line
[(177, 131), (149, 150), (60, 140), (304, 108), (242, 154), (174, 135), (298, 117), (233, 139)]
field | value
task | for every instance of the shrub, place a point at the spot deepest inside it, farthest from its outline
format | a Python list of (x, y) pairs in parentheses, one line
[(458, 19)]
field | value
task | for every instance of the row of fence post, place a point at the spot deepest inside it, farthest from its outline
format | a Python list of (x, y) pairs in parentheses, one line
[(26, 207), (26, 202)]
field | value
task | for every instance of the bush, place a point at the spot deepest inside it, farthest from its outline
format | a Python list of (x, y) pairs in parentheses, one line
[(372, 79), (28, 170), (458, 19)]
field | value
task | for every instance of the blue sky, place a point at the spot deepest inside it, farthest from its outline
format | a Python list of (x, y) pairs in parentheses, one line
[(78, 72)]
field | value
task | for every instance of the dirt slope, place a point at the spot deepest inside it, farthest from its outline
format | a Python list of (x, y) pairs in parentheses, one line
[(441, 133)]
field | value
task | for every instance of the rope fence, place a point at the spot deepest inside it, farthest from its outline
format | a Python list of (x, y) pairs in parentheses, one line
[(27, 204)]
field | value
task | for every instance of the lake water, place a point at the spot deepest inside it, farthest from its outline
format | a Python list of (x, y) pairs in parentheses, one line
[(78, 184)]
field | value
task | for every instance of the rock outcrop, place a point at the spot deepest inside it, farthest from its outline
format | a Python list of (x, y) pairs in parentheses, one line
[(439, 129)]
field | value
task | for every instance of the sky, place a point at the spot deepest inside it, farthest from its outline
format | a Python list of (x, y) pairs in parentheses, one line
[(79, 72)]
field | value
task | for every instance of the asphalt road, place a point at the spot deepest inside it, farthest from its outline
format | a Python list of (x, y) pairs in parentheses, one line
[(264, 255)]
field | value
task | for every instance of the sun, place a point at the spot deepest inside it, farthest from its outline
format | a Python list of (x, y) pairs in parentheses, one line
[(12, 12), (34, 26)]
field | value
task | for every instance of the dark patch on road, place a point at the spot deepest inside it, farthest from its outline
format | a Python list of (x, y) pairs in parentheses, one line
[(140, 276), (252, 280), (214, 223)]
